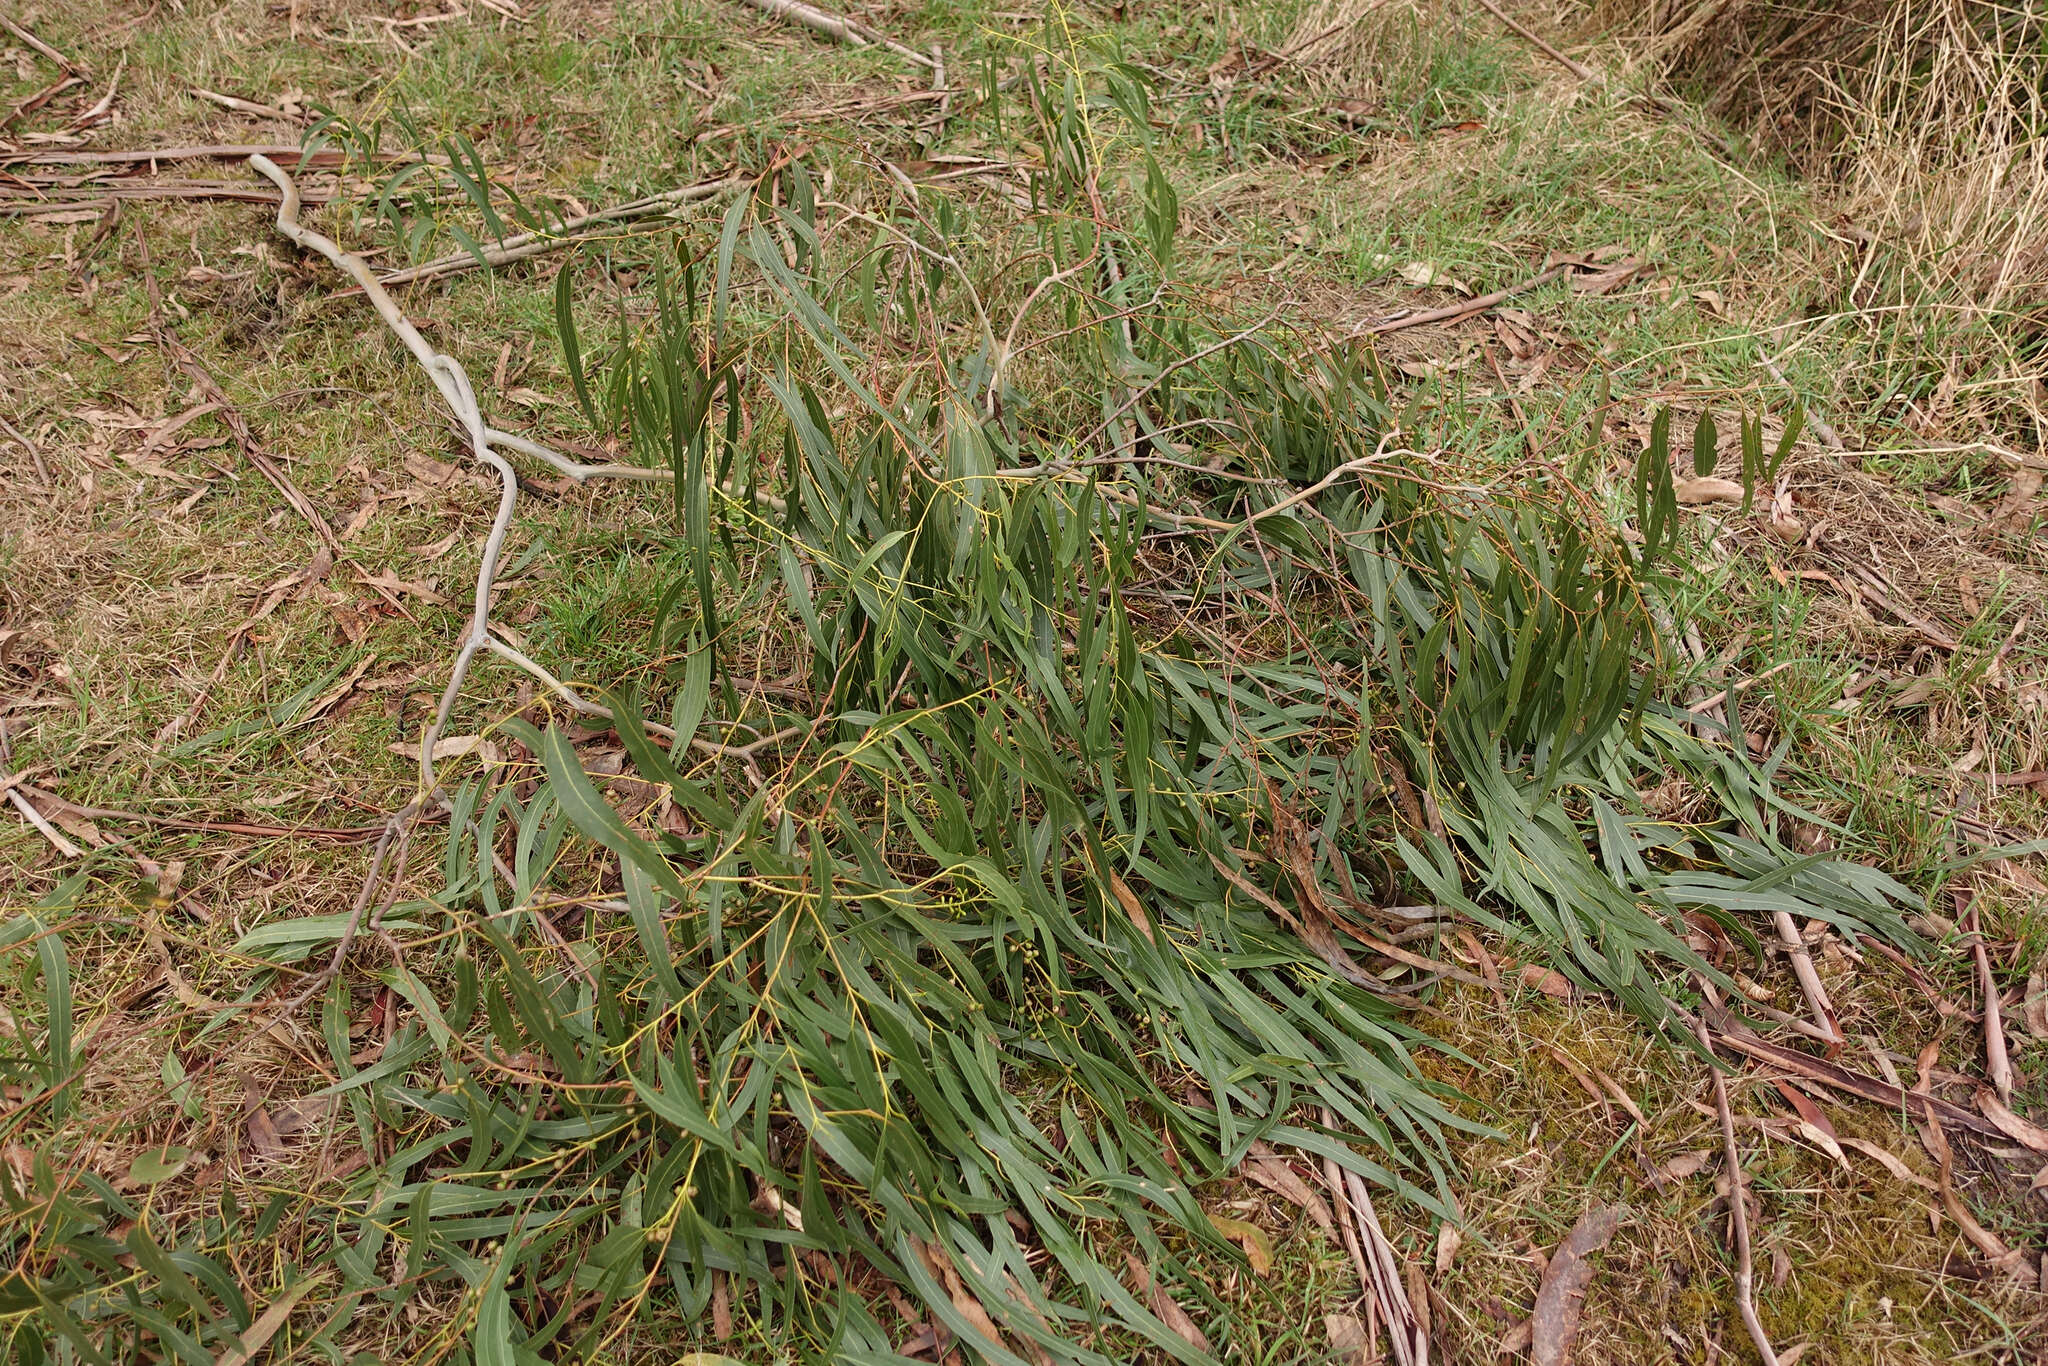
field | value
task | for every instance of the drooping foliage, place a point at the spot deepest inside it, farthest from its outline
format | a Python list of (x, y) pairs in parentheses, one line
[(1152, 679)]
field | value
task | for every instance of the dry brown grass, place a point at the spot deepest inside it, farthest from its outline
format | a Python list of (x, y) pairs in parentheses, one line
[(1924, 129), (1848, 1260)]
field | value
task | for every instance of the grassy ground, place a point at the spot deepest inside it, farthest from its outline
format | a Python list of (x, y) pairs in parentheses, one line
[(140, 673)]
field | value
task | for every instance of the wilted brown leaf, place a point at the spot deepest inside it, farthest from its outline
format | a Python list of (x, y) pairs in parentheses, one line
[(1349, 1345), (1606, 279), (2017, 1127), (1890, 1161), (1448, 1241), (963, 1299), (1162, 1304), (721, 1308), (1685, 1165), (452, 747), (1555, 1320), (1277, 1174), (388, 582), (263, 1135), (1995, 1251), (1258, 1247), (1692, 492), (1133, 907), (1622, 1097)]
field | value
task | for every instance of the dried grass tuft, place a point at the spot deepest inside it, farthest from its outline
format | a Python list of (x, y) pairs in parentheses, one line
[(1925, 128)]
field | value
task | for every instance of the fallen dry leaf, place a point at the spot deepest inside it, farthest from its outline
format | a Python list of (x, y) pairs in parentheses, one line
[(263, 1136), (1448, 1241), (1258, 1248), (391, 583), (1267, 1168), (2034, 1008), (1515, 1341), (1423, 274), (1621, 1097), (2007, 1259), (1890, 1161), (1162, 1304), (359, 519), (1555, 1320), (963, 1300), (452, 747), (1549, 981), (435, 550), (1685, 1164), (1032, 1348), (1578, 1075), (721, 1308), (428, 470), (1606, 279), (1692, 492), (340, 690), (257, 1335), (1813, 1126), (73, 824), (2015, 509), (1349, 1345), (1133, 908), (2017, 1127)]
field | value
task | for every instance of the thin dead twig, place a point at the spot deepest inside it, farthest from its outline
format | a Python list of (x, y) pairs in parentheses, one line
[(54, 197), (2012, 1261), (1828, 435), (242, 106), (37, 818), (1849, 1082), (578, 472), (35, 452), (212, 151), (1577, 68), (1453, 312), (40, 98), (397, 832), (1707, 704), (62, 61), (1738, 1215), (1809, 981), (1866, 584), (257, 829), (452, 382), (1997, 1063), (849, 31), (520, 246), (196, 370)]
